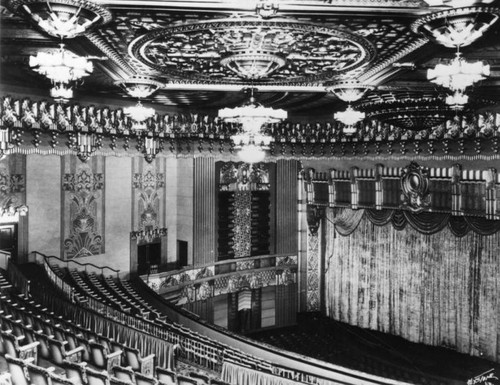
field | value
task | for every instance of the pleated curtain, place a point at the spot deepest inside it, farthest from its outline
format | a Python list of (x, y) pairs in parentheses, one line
[(436, 289)]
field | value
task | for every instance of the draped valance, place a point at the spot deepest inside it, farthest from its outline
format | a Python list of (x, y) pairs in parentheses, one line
[(346, 220)]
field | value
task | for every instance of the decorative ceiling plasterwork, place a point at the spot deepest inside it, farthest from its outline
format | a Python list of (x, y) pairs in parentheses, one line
[(216, 50)]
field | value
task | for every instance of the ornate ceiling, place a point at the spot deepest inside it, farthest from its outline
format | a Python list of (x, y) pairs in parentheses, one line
[(205, 52)]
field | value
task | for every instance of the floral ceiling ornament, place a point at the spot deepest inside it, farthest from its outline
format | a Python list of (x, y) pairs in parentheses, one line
[(65, 19), (252, 48)]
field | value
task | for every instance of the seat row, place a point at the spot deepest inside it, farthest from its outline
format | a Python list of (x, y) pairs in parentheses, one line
[(26, 324), (199, 349)]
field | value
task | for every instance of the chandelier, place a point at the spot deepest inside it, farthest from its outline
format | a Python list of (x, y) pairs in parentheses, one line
[(458, 74), (62, 18), (349, 117), (61, 66), (252, 64), (139, 87), (457, 27), (139, 113), (457, 101), (252, 115), (349, 91)]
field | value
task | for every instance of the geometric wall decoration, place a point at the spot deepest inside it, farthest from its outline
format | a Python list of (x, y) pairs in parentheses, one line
[(12, 186), (314, 216), (148, 186), (244, 210), (82, 222)]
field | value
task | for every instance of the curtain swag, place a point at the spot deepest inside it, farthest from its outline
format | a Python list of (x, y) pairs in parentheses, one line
[(347, 220)]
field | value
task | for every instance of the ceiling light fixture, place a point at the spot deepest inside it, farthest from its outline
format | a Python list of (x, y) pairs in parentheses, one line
[(139, 87), (458, 74), (252, 115), (139, 113), (349, 91), (457, 101), (62, 18), (61, 66), (349, 117), (457, 27)]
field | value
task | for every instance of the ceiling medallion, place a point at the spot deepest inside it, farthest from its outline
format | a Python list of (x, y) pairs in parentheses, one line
[(457, 27), (62, 18), (273, 50)]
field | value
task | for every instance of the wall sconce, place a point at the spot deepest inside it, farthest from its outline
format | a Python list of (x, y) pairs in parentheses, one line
[(86, 145)]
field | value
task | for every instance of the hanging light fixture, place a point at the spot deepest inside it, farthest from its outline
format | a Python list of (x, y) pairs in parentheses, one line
[(457, 101), (252, 115), (139, 87), (62, 18), (86, 145), (459, 26), (139, 114), (151, 148), (349, 91), (349, 117), (5, 141), (458, 74), (61, 66)]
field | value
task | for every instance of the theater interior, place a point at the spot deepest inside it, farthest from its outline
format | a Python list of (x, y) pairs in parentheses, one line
[(269, 192)]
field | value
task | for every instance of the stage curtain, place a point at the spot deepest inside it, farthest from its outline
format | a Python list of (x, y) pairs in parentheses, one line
[(345, 219), (434, 289)]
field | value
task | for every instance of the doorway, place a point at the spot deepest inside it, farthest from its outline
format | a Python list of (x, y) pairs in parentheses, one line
[(148, 257), (8, 239)]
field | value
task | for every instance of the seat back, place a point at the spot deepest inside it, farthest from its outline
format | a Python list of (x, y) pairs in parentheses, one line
[(96, 378), (59, 380), (75, 371), (17, 370), (124, 374), (141, 379), (43, 348), (10, 344), (56, 349), (98, 355), (183, 380), (132, 358), (165, 376), (38, 375), (201, 379)]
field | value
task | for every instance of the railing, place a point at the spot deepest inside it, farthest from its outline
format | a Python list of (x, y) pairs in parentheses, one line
[(37, 254), (223, 277), (207, 351), (18, 279)]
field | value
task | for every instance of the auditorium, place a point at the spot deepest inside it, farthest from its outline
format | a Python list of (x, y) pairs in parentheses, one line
[(260, 192)]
